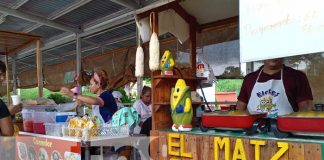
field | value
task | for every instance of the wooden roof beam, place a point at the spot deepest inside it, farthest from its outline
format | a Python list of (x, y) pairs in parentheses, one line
[(232, 21), (21, 47), (177, 8)]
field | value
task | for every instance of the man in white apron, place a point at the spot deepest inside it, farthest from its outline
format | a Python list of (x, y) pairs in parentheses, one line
[(276, 90)]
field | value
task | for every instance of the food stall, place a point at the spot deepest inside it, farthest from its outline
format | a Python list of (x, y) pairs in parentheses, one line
[(45, 132), (62, 135), (223, 134), (32, 146)]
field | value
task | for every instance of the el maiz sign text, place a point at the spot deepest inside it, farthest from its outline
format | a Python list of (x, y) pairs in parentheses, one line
[(227, 148)]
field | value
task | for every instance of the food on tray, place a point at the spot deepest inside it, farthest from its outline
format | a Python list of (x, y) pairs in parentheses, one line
[(77, 124), (18, 117), (56, 155), (306, 114), (238, 113), (42, 154), (39, 101), (22, 151)]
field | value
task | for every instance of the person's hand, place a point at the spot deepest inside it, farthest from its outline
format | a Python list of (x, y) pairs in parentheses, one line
[(66, 91), (140, 124), (79, 103), (13, 109)]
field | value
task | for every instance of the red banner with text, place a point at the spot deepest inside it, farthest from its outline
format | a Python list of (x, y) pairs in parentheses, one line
[(46, 148)]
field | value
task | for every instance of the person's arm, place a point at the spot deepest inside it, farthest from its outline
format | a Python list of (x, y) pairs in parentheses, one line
[(90, 100), (303, 93), (13, 109), (85, 99), (6, 126), (244, 95), (241, 106), (306, 105)]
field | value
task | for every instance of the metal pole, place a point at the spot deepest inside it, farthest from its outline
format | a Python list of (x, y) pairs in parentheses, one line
[(39, 69), (7, 81), (14, 74), (78, 58)]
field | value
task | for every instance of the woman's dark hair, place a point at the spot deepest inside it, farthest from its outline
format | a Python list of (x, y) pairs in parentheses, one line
[(103, 78), (3, 67), (145, 89)]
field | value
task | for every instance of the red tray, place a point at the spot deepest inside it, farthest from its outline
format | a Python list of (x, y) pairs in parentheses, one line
[(302, 122), (231, 119)]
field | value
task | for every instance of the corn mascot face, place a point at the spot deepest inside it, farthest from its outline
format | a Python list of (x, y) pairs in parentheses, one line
[(167, 63), (179, 91), (181, 107)]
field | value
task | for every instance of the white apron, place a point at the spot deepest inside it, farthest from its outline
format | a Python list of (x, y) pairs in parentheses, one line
[(96, 112), (269, 97)]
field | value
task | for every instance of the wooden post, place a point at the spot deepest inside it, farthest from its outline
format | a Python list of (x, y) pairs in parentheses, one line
[(39, 69), (192, 46), (155, 25), (7, 81), (14, 74), (139, 86), (154, 28)]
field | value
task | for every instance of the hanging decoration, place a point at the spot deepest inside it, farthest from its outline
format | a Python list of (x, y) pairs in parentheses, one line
[(154, 47), (167, 63), (139, 59)]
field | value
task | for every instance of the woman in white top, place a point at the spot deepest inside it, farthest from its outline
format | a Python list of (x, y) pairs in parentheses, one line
[(144, 109)]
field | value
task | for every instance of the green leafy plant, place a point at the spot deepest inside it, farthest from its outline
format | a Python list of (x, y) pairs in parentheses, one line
[(228, 85), (125, 98), (58, 98)]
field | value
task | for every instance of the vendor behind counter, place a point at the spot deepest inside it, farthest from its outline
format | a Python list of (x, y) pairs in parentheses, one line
[(275, 89), (104, 105)]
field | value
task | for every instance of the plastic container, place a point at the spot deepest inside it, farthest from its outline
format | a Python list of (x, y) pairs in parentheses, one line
[(39, 108), (39, 118), (54, 129), (38, 127), (113, 131), (27, 120), (63, 116)]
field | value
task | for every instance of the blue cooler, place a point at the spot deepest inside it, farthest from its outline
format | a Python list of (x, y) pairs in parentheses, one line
[(63, 116)]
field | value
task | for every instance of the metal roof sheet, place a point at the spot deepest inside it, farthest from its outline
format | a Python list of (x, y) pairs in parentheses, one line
[(86, 13), (44, 8), (46, 32), (15, 24)]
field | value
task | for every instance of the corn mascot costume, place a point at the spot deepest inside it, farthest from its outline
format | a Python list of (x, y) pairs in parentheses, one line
[(181, 108), (167, 63)]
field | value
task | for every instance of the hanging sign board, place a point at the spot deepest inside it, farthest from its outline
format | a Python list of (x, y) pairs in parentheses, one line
[(280, 28)]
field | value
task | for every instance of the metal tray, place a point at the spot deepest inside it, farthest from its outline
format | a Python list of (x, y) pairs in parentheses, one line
[(302, 122)]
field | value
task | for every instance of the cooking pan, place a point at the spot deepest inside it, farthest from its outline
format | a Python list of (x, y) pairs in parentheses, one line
[(311, 121), (229, 119)]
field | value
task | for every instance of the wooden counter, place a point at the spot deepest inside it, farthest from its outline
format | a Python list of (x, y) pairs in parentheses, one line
[(224, 145)]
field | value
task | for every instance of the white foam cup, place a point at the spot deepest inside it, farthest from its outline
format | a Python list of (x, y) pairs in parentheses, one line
[(16, 99)]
